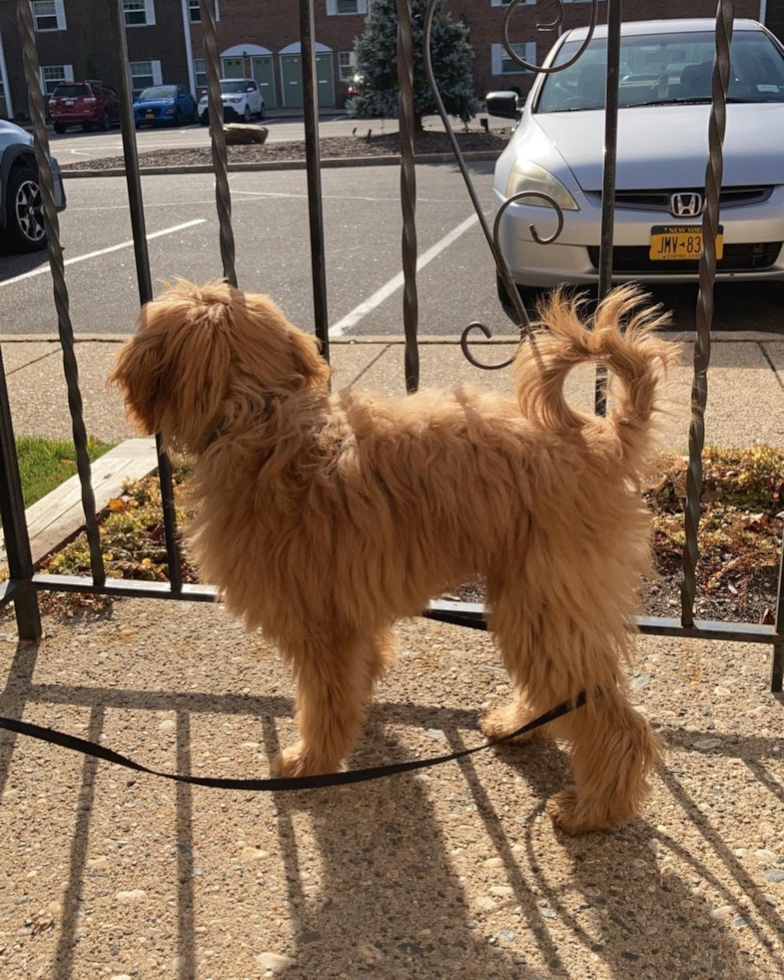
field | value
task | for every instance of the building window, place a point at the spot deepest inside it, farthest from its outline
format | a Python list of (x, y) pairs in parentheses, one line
[(54, 75), (139, 13), (342, 7), (144, 74), (200, 73), (504, 65), (194, 8), (347, 62), (48, 15)]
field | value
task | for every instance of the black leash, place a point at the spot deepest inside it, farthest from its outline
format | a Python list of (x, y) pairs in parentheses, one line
[(268, 785)]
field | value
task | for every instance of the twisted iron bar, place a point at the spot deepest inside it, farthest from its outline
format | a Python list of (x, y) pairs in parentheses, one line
[(408, 190), (143, 275), (477, 325), (500, 262), (61, 300), (218, 135), (539, 69), (705, 301)]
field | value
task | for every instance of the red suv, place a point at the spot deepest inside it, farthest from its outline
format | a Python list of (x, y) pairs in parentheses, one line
[(87, 104)]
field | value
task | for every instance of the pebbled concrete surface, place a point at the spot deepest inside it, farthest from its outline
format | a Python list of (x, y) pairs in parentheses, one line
[(452, 872)]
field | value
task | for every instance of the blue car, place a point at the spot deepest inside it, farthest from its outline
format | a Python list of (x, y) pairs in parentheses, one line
[(171, 104)]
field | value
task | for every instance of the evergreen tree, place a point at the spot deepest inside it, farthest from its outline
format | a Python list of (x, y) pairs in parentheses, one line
[(376, 50)]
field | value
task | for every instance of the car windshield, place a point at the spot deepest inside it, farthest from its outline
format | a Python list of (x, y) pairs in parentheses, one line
[(158, 92), (70, 91), (233, 86), (665, 69)]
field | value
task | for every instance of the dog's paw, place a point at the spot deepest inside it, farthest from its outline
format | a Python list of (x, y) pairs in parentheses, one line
[(295, 761), (566, 812), (505, 719)]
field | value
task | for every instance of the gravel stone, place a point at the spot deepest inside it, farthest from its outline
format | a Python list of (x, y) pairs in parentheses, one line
[(775, 875), (274, 962)]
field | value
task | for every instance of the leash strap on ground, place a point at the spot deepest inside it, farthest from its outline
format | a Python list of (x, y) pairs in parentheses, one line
[(275, 785)]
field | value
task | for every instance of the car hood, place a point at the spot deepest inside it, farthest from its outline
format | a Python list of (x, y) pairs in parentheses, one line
[(667, 146), (155, 103)]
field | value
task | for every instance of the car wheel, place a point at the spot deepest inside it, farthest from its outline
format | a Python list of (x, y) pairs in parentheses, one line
[(177, 119), (246, 114), (528, 294), (261, 113), (59, 128), (205, 119), (24, 209), (105, 121)]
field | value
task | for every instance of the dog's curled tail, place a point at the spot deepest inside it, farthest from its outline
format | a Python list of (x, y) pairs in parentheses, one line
[(621, 336)]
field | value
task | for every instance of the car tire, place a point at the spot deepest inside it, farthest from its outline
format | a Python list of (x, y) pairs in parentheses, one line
[(177, 121), (205, 119), (528, 294), (24, 212), (246, 117), (261, 114), (59, 128), (105, 121)]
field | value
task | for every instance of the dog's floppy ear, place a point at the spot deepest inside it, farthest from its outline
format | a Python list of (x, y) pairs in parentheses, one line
[(174, 371), (307, 357)]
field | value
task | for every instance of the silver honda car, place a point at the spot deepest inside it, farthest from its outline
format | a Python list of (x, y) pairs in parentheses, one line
[(665, 89)]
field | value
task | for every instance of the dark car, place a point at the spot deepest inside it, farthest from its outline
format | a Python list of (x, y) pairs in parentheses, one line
[(21, 209), (90, 104), (170, 104)]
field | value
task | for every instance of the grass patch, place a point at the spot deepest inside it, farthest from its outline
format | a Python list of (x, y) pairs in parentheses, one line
[(44, 464), (742, 516)]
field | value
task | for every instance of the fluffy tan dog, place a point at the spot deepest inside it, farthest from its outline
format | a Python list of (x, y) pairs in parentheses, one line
[(324, 517)]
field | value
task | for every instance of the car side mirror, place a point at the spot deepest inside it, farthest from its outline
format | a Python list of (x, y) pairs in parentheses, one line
[(503, 104)]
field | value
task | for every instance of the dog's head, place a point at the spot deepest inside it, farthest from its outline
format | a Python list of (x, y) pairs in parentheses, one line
[(202, 356)]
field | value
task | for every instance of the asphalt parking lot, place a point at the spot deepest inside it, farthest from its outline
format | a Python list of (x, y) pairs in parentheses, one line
[(362, 229)]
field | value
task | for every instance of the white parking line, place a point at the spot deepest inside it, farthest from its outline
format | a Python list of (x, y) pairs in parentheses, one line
[(360, 312), (44, 269)]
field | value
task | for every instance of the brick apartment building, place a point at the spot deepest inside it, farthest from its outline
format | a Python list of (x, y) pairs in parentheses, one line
[(259, 38)]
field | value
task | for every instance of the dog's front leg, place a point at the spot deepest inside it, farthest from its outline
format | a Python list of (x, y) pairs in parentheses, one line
[(334, 682)]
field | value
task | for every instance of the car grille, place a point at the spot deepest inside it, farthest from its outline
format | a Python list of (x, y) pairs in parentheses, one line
[(146, 112), (731, 197), (634, 260)]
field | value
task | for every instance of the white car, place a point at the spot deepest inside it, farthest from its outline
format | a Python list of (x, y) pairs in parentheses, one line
[(242, 100), (665, 90)]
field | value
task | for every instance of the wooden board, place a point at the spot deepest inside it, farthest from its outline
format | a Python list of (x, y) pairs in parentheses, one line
[(59, 515)]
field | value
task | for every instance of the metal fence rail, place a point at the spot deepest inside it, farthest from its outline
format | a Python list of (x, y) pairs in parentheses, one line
[(24, 583)]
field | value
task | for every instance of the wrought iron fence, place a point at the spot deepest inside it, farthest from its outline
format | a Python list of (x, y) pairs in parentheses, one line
[(24, 583)]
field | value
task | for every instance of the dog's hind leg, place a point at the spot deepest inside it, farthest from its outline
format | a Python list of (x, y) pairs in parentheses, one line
[(335, 679), (507, 718), (613, 747)]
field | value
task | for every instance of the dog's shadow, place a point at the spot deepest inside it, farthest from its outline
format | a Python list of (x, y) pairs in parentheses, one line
[(627, 909), (390, 904)]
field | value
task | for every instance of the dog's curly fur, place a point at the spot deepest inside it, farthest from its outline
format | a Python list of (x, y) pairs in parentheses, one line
[(325, 517)]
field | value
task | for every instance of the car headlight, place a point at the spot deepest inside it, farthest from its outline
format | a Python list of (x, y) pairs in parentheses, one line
[(527, 176), (236, 100)]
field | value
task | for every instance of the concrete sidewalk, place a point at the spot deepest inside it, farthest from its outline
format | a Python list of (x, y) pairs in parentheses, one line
[(745, 400), (454, 872)]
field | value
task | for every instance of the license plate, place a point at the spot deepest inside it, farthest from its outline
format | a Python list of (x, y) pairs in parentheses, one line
[(69, 101), (151, 115), (680, 243)]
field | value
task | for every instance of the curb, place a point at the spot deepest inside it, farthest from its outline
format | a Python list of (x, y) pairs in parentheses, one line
[(58, 517), (329, 163)]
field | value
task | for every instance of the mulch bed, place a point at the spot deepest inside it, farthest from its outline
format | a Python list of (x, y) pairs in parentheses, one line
[(740, 538), (332, 147)]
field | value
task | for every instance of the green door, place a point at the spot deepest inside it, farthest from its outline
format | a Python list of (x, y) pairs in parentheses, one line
[(232, 67), (326, 80), (292, 80), (264, 75)]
